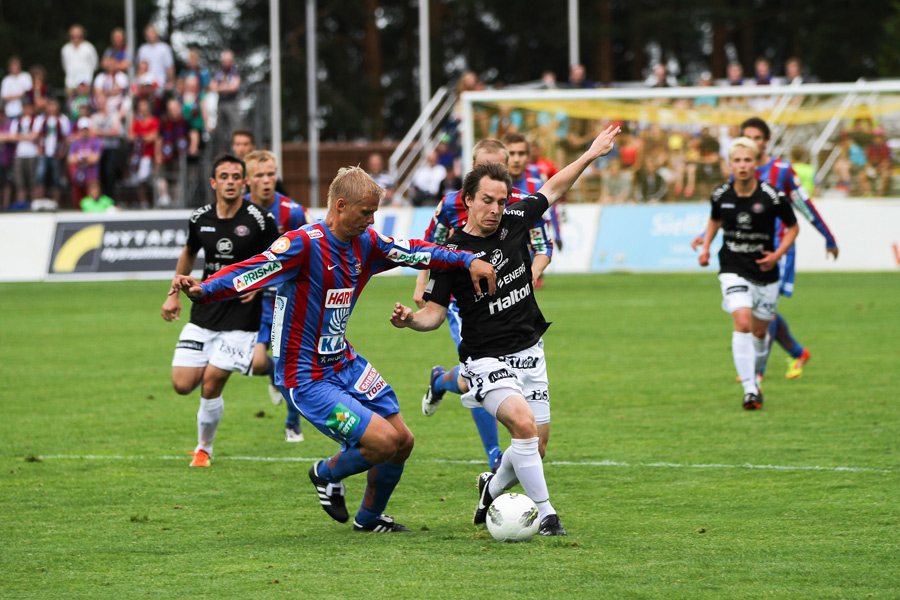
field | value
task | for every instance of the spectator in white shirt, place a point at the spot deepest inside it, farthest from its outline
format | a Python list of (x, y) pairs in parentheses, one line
[(79, 58), (14, 87), (427, 181), (159, 58)]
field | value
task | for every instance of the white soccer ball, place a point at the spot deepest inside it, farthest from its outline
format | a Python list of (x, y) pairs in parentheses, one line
[(512, 518)]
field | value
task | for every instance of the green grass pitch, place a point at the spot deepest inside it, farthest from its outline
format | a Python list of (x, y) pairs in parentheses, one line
[(667, 488)]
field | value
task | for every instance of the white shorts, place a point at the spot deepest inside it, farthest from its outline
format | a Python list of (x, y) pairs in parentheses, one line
[(738, 292), (523, 373), (227, 350)]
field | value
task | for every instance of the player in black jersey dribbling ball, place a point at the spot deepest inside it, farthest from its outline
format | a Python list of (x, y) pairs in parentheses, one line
[(501, 353)]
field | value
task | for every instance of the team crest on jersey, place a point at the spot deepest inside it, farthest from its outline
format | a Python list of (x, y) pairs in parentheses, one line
[(224, 246), (357, 268), (758, 208), (314, 234), (242, 231), (503, 233), (280, 245)]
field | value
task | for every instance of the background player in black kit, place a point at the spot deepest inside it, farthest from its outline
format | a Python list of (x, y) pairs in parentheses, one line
[(219, 338), (746, 210), (502, 353)]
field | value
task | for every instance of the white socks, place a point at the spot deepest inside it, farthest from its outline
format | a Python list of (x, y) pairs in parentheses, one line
[(744, 352), (761, 346), (208, 417), (522, 464)]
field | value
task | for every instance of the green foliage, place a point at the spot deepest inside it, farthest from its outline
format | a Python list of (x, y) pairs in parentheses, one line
[(668, 489)]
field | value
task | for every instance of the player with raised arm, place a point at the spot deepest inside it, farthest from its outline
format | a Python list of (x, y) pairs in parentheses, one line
[(320, 270), (746, 210), (262, 173), (450, 215), (780, 175), (501, 353), (219, 338)]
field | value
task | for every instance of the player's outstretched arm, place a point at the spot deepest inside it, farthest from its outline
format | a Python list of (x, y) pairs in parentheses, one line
[(479, 270), (186, 284), (426, 319), (557, 186)]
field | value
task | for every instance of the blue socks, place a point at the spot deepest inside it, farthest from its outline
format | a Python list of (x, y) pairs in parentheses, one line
[(380, 484), (782, 334), (343, 464), (487, 429), (448, 382), (293, 417)]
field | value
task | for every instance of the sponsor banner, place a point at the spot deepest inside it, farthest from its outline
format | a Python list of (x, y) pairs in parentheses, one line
[(867, 233), (579, 230), (126, 243), (653, 237)]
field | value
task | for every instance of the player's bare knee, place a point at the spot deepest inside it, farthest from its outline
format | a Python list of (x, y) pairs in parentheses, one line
[(183, 388)]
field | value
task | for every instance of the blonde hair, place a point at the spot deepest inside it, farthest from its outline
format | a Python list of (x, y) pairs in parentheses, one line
[(490, 146), (743, 142), (260, 156), (354, 185)]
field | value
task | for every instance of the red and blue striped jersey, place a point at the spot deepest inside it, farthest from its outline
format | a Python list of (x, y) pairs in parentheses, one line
[(531, 181), (319, 280), (452, 214), (780, 175), (289, 214)]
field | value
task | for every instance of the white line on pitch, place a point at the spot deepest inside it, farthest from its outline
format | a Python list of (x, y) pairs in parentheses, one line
[(561, 463)]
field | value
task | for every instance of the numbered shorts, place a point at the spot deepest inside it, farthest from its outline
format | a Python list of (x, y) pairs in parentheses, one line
[(737, 292), (523, 373), (341, 405), (227, 350)]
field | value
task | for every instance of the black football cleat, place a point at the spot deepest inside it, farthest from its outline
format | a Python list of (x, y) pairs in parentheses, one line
[(331, 495), (753, 401), (384, 524), (550, 525), (484, 497)]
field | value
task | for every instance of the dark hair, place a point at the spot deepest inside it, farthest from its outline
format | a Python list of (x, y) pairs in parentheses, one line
[(228, 158), (757, 123), (244, 132), (495, 171), (514, 137)]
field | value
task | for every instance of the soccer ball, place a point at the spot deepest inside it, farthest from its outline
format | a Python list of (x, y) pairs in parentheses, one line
[(512, 518)]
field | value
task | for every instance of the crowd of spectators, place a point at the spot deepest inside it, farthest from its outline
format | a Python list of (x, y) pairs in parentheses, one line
[(99, 139), (680, 160)]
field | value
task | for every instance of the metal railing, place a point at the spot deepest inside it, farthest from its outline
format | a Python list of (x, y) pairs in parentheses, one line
[(422, 138)]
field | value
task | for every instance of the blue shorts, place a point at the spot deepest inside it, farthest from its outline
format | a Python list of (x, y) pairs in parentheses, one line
[(265, 323), (341, 406)]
